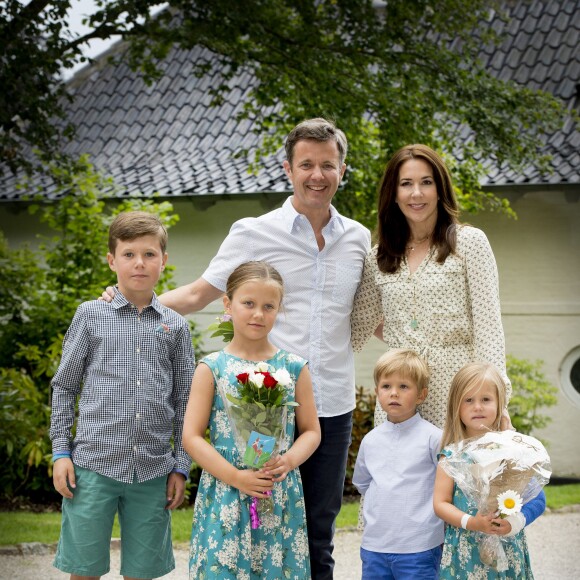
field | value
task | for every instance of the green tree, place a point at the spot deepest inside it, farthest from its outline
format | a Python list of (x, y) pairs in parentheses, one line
[(39, 293), (531, 392), (389, 73)]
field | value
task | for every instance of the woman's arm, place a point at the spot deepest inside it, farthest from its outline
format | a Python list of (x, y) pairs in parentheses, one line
[(308, 429), (197, 414), (367, 313), (483, 285)]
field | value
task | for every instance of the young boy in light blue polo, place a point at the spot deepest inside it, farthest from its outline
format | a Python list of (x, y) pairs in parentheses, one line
[(131, 361), (395, 471)]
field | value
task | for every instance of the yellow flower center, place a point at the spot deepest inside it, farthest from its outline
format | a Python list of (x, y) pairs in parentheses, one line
[(509, 503)]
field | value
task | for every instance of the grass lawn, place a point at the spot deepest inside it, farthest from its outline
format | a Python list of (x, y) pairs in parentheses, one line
[(21, 526)]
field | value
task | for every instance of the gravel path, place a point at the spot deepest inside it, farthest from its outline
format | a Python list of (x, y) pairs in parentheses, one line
[(554, 542)]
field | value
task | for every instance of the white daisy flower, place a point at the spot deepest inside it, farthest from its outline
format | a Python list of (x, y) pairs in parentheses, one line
[(509, 502)]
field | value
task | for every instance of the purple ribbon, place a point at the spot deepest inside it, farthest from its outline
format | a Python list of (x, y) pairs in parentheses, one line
[(254, 517)]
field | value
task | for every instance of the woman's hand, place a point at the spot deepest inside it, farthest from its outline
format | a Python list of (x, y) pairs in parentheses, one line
[(278, 467), (254, 483)]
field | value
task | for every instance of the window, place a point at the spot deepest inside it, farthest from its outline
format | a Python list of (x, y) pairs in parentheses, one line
[(570, 376)]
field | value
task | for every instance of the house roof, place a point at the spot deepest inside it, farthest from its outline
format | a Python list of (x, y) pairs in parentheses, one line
[(541, 50), (167, 139)]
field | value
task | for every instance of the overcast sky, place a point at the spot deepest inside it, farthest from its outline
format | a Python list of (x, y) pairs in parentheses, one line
[(81, 9)]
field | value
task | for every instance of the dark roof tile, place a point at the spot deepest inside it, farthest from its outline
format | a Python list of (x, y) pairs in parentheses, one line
[(166, 138)]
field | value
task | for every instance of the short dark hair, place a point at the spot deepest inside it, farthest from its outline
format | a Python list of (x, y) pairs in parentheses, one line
[(317, 129), (130, 225)]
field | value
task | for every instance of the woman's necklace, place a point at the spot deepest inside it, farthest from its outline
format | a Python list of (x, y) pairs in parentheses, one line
[(416, 243)]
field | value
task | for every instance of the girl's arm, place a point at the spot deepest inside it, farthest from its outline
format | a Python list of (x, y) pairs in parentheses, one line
[(197, 415), (515, 523), (308, 429), (444, 508)]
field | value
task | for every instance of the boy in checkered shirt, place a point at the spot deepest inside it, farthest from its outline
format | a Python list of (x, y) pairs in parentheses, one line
[(131, 363)]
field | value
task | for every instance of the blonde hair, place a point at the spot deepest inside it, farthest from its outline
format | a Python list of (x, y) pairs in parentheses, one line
[(250, 271), (131, 225), (405, 362), (470, 377)]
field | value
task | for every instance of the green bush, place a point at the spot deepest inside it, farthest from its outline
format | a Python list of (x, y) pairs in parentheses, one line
[(531, 392), (39, 293)]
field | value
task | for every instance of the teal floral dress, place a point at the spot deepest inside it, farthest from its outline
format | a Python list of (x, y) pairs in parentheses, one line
[(223, 543), (460, 559)]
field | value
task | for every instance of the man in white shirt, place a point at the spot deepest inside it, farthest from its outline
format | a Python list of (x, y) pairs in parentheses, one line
[(320, 255)]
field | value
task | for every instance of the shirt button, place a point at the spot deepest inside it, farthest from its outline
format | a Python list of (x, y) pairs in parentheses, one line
[(134, 447), (138, 350), (138, 383)]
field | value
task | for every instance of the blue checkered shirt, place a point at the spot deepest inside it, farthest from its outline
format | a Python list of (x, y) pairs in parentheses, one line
[(133, 372)]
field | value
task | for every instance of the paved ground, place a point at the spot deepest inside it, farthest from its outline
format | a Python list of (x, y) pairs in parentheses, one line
[(554, 541)]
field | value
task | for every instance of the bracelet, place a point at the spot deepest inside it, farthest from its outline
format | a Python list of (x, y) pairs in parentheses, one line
[(464, 521)]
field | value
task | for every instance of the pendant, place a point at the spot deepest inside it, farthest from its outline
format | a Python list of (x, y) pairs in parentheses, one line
[(414, 324)]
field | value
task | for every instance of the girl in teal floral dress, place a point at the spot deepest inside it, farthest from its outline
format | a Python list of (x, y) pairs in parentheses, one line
[(225, 542), (476, 398)]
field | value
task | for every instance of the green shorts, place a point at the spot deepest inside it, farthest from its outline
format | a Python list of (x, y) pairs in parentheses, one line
[(87, 524)]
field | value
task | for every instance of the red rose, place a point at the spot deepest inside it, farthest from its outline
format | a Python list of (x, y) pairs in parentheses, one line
[(269, 381), (243, 378)]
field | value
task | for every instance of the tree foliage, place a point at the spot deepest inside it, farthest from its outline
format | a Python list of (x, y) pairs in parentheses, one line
[(389, 73), (39, 293)]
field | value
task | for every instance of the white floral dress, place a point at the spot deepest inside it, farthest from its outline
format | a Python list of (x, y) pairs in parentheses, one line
[(449, 313), (223, 544)]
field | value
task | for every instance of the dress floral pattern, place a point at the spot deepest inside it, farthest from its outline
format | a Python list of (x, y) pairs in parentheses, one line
[(449, 313), (223, 545), (460, 559)]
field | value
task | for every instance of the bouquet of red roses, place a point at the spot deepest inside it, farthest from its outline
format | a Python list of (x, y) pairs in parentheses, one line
[(259, 416)]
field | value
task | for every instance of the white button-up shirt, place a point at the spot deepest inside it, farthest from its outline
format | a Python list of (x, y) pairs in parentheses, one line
[(395, 471), (319, 288)]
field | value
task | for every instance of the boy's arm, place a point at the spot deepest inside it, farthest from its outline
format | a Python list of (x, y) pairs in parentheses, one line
[(66, 384), (183, 368), (361, 478)]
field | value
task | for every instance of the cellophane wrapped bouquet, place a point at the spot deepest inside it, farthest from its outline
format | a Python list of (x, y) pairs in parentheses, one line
[(498, 473), (258, 414)]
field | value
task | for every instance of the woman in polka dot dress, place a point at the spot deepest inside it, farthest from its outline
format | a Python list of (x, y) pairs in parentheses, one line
[(430, 283)]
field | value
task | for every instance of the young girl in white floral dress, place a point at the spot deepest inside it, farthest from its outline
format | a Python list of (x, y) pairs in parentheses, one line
[(224, 543)]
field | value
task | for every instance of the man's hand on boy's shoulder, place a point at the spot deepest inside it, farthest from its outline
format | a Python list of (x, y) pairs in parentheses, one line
[(175, 490), (108, 294), (63, 476)]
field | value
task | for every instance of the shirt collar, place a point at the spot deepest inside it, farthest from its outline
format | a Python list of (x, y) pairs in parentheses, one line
[(405, 424), (291, 217), (119, 301)]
